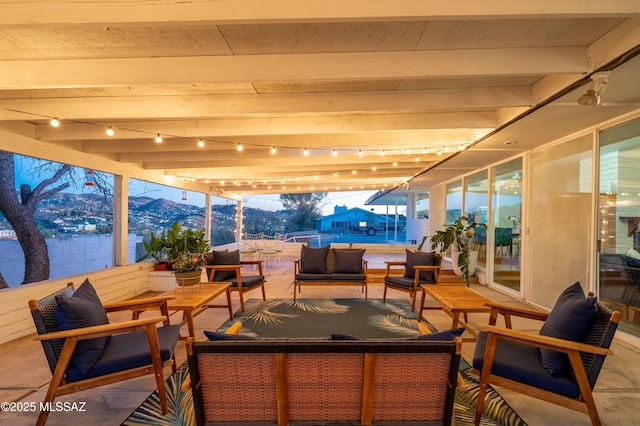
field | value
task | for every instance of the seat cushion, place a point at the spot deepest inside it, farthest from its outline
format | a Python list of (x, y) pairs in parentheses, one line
[(419, 259), (400, 282), (129, 350), (247, 281), (82, 309), (440, 336), (348, 277), (313, 277), (571, 318), (313, 260), (348, 261), (224, 258), (522, 363)]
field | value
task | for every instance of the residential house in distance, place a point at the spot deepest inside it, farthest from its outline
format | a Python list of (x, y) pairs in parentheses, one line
[(357, 220)]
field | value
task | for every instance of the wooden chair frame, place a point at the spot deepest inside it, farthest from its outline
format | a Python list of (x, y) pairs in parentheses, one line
[(211, 271), (416, 280), (584, 404), (59, 386)]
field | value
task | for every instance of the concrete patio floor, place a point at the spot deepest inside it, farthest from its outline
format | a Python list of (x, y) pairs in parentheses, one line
[(25, 374)]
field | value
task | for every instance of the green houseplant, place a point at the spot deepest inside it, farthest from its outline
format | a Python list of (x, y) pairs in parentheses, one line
[(458, 236), (156, 248), (186, 251)]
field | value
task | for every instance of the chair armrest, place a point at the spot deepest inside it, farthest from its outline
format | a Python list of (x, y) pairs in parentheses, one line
[(296, 266), (84, 333), (507, 310), (136, 304), (553, 343), (427, 267)]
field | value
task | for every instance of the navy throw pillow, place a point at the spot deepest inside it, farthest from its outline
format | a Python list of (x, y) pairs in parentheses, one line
[(225, 258), (349, 261), (313, 260), (214, 335), (447, 335), (82, 309), (419, 258), (571, 319), (440, 336)]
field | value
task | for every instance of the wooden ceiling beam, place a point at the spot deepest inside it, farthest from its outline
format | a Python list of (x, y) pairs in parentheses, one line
[(105, 72), (132, 12), (250, 126), (212, 106)]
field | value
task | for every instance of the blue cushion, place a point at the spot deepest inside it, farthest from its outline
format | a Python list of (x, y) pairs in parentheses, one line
[(215, 335), (247, 281), (522, 363), (440, 336), (571, 319), (224, 257), (130, 350), (349, 261), (82, 309), (419, 258), (313, 260), (447, 335)]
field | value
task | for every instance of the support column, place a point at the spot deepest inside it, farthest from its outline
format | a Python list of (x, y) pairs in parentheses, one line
[(239, 219), (120, 219), (207, 217)]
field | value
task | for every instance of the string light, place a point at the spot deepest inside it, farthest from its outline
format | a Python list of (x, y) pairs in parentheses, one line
[(201, 143), (54, 122), (306, 152), (395, 164), (110, 131), (374, 168), (158, 138), (273, 149), (239, 147), (382, 152), (360, 153), (334, 153)]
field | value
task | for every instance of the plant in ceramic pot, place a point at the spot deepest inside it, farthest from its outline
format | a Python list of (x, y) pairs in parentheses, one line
[(156, 248), (187, 249), (458, 236)]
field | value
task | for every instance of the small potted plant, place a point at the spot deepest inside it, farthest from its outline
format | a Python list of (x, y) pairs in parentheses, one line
[(187, 250), (156, 248), (458, 236)]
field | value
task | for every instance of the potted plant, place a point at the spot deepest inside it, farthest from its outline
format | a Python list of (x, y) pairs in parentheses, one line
[(458, 236), (156, 248), (187, 249)]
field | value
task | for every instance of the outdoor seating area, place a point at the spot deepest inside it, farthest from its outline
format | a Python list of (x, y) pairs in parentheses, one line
[(279, 286)]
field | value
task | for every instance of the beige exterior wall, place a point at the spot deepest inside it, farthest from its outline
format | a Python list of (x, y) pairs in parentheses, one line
[(111, 284)]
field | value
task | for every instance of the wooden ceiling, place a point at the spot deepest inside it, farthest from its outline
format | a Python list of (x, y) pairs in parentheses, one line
[(347, 81)]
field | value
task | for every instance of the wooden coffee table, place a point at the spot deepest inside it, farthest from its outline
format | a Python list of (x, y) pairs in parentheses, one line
[(456, 300), (193, 300)]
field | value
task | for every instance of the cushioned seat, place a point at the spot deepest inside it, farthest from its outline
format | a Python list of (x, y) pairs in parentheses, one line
[(560, 365), (226, 266), (419, 268), (523, 364), (337, 276), (247, 281), (129, 350)]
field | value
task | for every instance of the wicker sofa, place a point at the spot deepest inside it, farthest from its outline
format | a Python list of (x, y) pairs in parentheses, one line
[(326, 266), (323, 381)]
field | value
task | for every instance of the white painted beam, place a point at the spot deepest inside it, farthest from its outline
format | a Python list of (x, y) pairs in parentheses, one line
[(52, 12), (211, 106), (273, 126), (67, 73)]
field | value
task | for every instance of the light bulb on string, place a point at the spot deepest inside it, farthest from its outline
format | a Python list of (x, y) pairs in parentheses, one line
[(158, 138), (110, 131), (54, 122)]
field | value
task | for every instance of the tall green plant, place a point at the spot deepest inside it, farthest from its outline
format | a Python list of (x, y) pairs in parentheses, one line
[(457, 236), (187, 247)]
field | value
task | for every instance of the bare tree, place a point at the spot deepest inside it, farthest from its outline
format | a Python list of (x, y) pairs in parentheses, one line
[(19, 211)]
